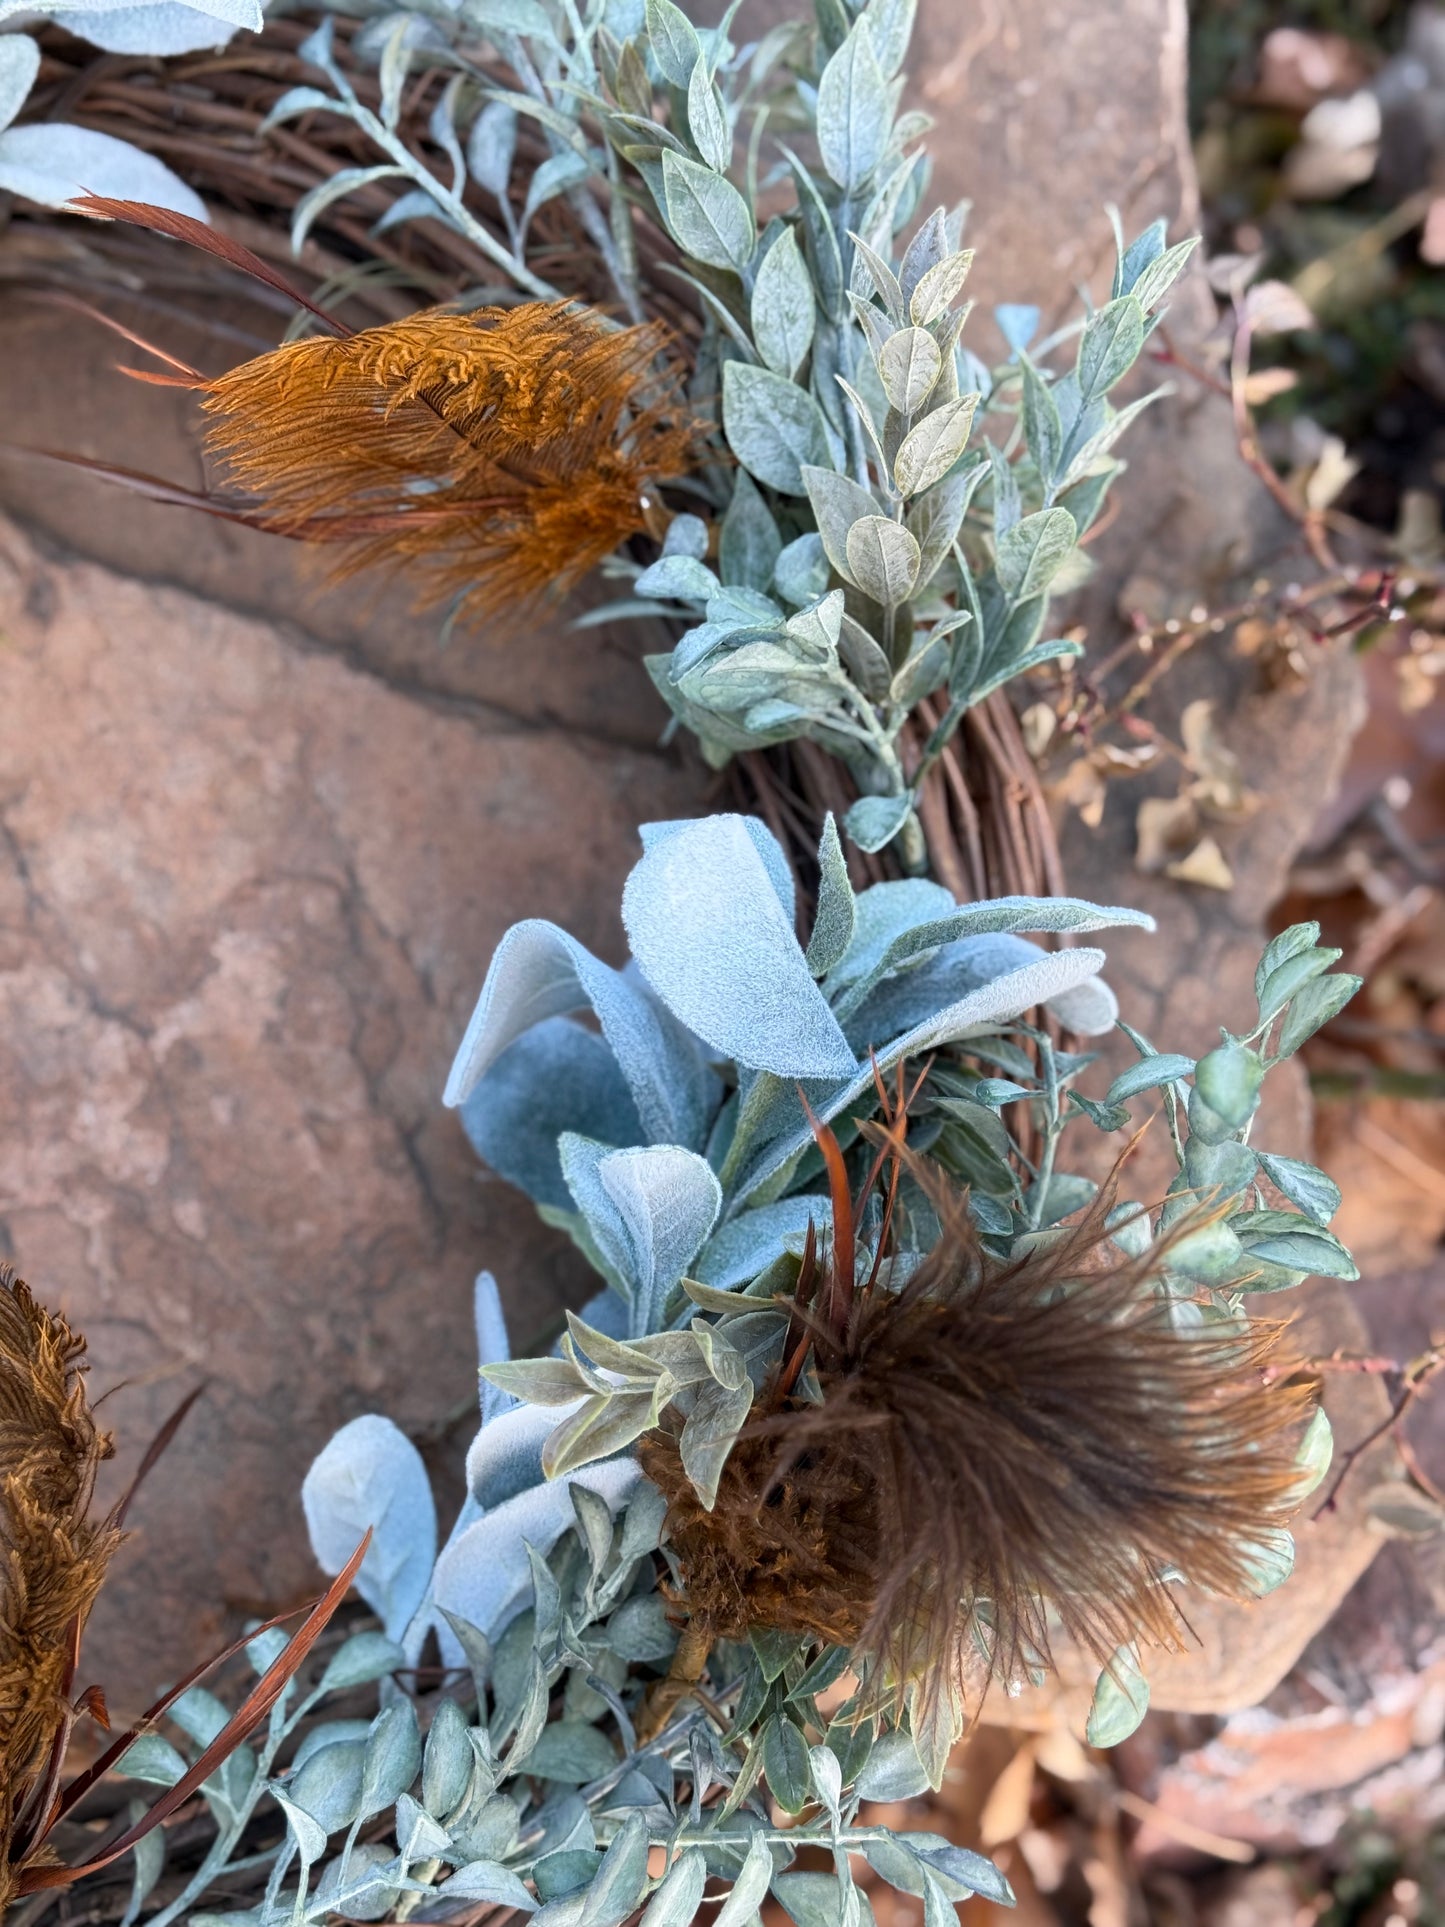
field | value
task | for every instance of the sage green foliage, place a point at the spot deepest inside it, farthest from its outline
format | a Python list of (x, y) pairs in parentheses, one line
[(534, 1772), (888, 514)]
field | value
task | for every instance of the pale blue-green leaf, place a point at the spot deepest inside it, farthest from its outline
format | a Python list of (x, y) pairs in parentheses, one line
[(393, 1757), (1121, 1699), (344, 1882), (1268, 1561), (930, 450), (707, 118), (677, 578), (1018, 323), (833, 924), (1159, 277), (483, 1575), (883, 559), (164, 27), (1043, 430), (1165, 1067), (334, 188), (800, 574), (505, 1458), (772, 426), (363, 1658), (1296, 1242), (712, 938), (371, 1475), (1112, 340), (607, 1242), (686, 535), (769, 850), (415, 206), (1219, 1171), (838, 502), (1313, 1008), (891, 24), (571, 1752), (556, 1077), (199, 1715), (991, 928), (639, 1630), (909, 363), (1289, 943), (308, 1833), (1290, 977), (622, 1878), (783, 308), (677, 1900), (708, 216), (749, 544), (19, 64), (539, 971), (492, 147), (884, 914), (815, 632), (1209, 1255), (553, 177), (815, 1900), (741, 1249), (1316, 1194), (707, 1436), (749, 1887), (668, 1201), (871, 270), (1228, 1080), (894, 1770), (446, 1763), (52, 163), (528, 17), (939, 287), (673, 40), (935, 518), (854, 111), (1031, 553), (786, 1764), (976, 1014), (300, 100), (874, 821), (153, 1760), (327, 1785), (1315, 1454), (486, 1880)]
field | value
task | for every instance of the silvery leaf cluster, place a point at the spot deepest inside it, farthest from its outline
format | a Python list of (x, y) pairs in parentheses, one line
[(533, 1779), (672, 1140)]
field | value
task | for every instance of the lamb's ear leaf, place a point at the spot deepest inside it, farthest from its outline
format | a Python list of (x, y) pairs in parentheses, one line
[(370, 1478), (539, 971), (710, 935)]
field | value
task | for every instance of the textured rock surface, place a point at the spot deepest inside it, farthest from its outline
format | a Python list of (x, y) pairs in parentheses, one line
[(247, 896), (253, 874)]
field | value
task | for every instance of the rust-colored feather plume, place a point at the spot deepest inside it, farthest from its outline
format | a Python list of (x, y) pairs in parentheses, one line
[(498, 455), (53, 1553), (1003, 1450)]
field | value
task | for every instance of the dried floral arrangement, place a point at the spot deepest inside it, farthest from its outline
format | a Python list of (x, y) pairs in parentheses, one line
[(881, 1404), (885, 1400), (860, 522)]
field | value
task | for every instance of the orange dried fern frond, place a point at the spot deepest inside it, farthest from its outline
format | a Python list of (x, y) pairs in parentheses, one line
[(498, 455), (53, 1554)]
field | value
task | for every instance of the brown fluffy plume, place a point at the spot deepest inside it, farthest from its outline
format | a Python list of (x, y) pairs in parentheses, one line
[(1003, 1449), (501, 454), (53, 1554)]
